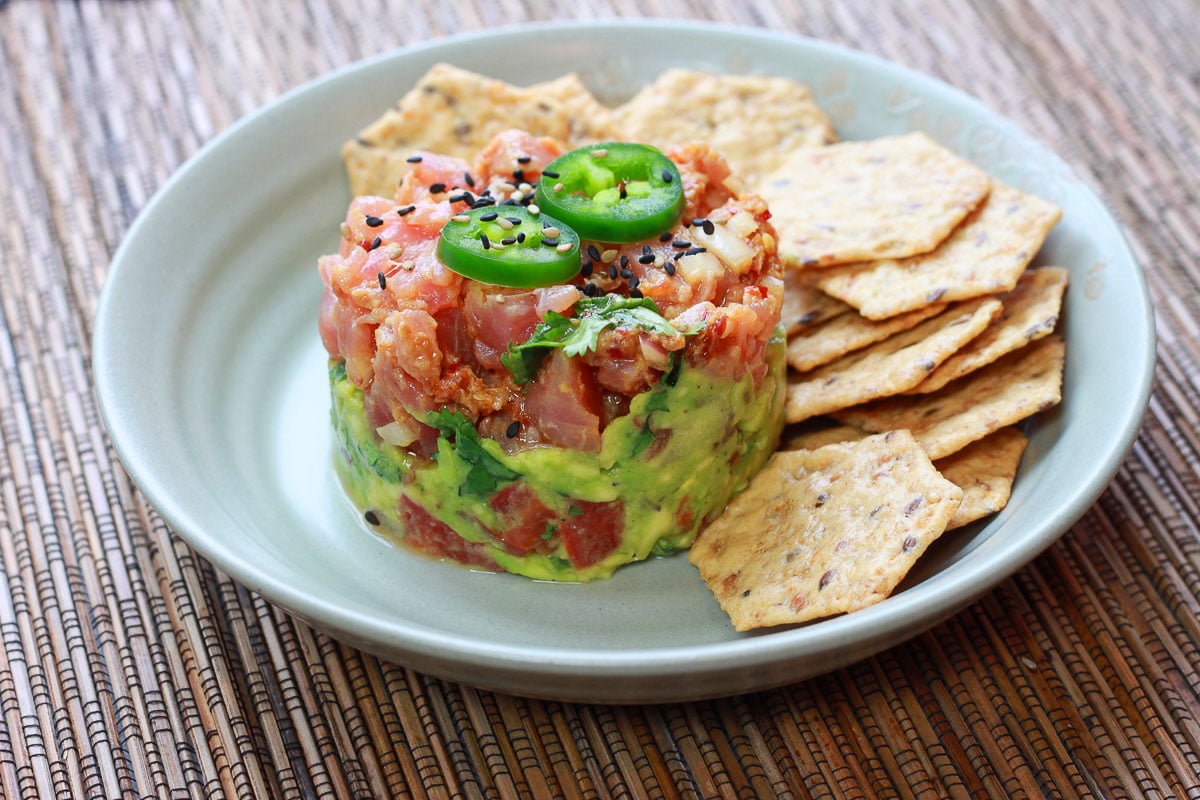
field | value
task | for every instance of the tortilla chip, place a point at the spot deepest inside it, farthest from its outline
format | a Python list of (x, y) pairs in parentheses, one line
[(754, 121), (892, 197), (821, 532), (588, 120), (845, 333), (984, 470), (1030, 312), (1005, 392), (986, 254), (804, 304), (800, 437), (889, 367), (455, 112)]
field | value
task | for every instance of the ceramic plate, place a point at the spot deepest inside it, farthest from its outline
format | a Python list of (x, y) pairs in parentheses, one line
[(212, 381)]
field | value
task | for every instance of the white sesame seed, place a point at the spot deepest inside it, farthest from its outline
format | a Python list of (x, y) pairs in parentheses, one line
[(461, 218), (609, 256), (345, 229), (565, 247), (518, 195), (526, 188), (497, 246), (533, 209), (408, 266), (504, 223), (505, 186), (551, 232), (558, 187), (600, 152)]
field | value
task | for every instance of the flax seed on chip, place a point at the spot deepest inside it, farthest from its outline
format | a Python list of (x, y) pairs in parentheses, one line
[(1005, 392), (1030, 312), (812, 347), (849, 202), (754, 121), (804, 304), (889, 367), (985, 471), (455, 112), (985, 254), (827, 531)]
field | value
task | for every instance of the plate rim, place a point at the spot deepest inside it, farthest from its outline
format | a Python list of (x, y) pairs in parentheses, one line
[(958, 585)]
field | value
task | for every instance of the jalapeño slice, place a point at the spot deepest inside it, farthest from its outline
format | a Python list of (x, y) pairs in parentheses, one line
[(613, 192), (509, 246)]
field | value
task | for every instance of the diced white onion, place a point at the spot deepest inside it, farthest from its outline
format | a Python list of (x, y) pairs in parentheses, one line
[(396, 434), (736, 254), (700, 267), (743, 225)]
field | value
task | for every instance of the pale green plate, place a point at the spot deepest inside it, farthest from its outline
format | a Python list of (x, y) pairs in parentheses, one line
[(212, 381)]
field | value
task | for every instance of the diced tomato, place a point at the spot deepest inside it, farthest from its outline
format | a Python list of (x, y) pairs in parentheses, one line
[(426, 533), (524, 519), (591, 535)]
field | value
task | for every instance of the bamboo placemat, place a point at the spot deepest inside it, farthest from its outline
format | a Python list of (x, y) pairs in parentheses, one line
[(130, 667)]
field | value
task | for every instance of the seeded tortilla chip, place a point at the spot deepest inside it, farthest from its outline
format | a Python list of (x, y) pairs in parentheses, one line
[(889, 367), (893, 197), (804, 304), (455, 112), (753, 121), (800, 437), (986, 254), (1030, 312), (845, 333), (822, 532), (1003, 393), (588, 120), (984, 470)]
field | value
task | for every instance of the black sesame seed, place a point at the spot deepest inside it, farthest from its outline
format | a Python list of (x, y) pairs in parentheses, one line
[(470, 181), (627, 273), (708, 227), (519, 175), (635, 282), (698, 221), (507, 240), (550, 242), (586, 269), (464, 197), (382, 281), (513, 429), (373, 222), (681, 243), (509, 202), (413, 159), (593, 253), (514, 220), (612, 272), (488, 217), (622, 191), (437, 188), (589, 289), (483, 202), (406, 210), (524, 159), (624, 261), (665, 236), (375, 243), (669, 267), (667, 176), (695, 251), (487, 245), (646, 258), (520, 238), (371, 517), (550, 173), (636, 294)]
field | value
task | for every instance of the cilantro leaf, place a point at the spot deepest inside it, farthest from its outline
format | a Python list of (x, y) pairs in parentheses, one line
[(580, 334), (486, 472)]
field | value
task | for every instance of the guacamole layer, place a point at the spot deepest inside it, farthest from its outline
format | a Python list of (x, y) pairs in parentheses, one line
[(663, 471)]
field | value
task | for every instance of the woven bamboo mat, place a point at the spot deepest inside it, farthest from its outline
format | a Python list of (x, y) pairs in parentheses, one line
[(130, 667)]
